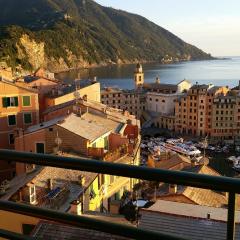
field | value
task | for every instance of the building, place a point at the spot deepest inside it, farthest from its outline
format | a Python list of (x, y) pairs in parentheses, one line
[(224, 118), (91, 131), (66, 93), (187, 221), (193, 110), (53, 92), (18, 110), (160, 103), (129, 100), (154, 97)]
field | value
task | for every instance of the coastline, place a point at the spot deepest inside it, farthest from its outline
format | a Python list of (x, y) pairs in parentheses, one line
[(101, 65)]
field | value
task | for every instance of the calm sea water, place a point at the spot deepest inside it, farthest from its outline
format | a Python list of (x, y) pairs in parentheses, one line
[(218, 72)]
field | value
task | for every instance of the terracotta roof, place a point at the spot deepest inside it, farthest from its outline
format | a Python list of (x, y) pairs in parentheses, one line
[(175, 162), (88, 126), (199, 196)]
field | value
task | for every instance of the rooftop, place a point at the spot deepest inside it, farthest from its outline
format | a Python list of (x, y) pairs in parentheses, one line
[(44, 125), (187, 220), (161, 86), (89, 126), (70, 88), (199, 196), (59, 106), (52, 231), (200, 86), (61, 178), (190, 210), (22, 85)]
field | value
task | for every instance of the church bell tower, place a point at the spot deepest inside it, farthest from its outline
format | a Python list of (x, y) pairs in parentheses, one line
[(138, 76)]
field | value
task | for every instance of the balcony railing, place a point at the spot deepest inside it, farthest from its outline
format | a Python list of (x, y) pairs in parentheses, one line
[(225, 184)]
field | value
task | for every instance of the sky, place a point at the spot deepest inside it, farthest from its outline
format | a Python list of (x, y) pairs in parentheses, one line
[(212, 25)]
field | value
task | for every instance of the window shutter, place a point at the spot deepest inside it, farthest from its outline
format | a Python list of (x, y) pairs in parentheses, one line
[(26, 101), (16, 101), (4, 102), (8, 101)]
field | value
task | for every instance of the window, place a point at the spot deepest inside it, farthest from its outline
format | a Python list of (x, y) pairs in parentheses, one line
[(10, 102), (27, 118), (27, 228), (12, 121), (26, 100), (11, 138), (156, 100), (40, 148)]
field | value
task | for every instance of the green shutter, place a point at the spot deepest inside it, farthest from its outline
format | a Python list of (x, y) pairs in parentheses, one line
[(4, 102), (8, 102), (16, 101), (27, 118), (26, 101), (12, 120)]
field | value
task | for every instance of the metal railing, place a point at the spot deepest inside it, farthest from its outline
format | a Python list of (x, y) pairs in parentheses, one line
[(225, 184)]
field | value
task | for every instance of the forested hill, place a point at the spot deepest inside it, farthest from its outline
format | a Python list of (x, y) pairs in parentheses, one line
[(62, 34)]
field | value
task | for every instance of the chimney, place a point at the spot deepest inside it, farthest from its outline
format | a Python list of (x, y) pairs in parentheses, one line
[(172, 188), (20, 195), (81, 180), (76, 207), (50, 184)]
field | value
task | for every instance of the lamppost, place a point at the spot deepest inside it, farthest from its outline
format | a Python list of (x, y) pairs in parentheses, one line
[(205, 144)]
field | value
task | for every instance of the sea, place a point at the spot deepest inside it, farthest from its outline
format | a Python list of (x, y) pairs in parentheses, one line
[(221, 72)]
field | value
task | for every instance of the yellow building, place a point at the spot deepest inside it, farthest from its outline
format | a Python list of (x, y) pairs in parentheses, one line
[(91, 90), (224, 118)]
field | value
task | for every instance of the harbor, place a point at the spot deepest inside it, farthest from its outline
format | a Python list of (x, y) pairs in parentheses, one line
[(220, 158)]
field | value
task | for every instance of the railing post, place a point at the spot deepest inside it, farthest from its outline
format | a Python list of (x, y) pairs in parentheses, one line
[(231, 216)]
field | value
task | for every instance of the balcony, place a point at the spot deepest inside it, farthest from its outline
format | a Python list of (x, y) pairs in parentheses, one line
[(224, 184)]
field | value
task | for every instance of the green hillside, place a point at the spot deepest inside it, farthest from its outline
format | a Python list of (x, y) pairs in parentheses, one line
[(82, 31)]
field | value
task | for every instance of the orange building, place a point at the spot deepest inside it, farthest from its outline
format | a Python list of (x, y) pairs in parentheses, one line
[(193, 110), (18, 110)]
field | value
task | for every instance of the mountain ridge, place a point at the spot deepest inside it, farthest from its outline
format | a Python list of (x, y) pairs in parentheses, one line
[(79, 33)]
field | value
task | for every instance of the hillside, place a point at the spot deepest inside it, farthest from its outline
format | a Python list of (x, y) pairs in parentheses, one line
[(63, 34)]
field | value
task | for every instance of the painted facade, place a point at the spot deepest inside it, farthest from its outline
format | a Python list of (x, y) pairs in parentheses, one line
[(18, 110)]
